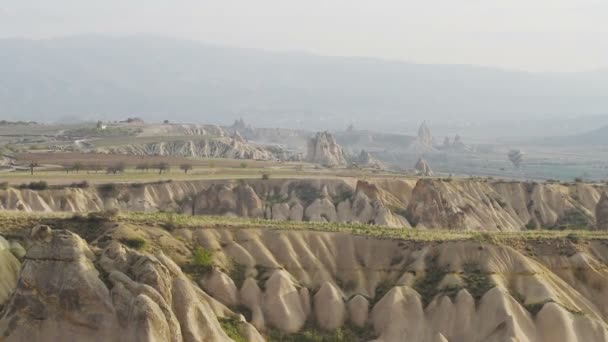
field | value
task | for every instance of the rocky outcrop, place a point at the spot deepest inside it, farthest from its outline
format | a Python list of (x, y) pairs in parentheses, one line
[(601, 212), (9, 268), (537, 290), (424, 135), (366, 160), (454, 291), (234, 147), (68, 292), (323, 149), (423, 169), (429, 202)]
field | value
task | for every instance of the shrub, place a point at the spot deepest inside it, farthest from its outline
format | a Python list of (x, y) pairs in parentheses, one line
[(106, 214), (244, 165), (40, 185), (265, 176), (185, 167), (118, 168), (202, 257), (82, 185), (3, 185), (135, 243), (231, 328), (578, 180), (162, 167)]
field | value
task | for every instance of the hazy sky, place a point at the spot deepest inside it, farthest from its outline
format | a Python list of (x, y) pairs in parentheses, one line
[(536, 35)]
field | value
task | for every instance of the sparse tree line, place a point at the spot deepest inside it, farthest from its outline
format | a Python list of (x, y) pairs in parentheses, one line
[(118, 168)]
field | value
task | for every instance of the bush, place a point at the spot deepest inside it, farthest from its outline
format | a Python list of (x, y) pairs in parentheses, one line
[(265, 176), (244, 165), (82, 185), (3, 185), (118, 168), (41, 185), (106, 214), (202, 257), (231, 328), (185, 167), (135, 243)]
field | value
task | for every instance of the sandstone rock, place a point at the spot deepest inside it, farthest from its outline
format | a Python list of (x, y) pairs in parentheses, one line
[(282, 304), (323, 149), (221, 287), (330, 311), (17, 250), (59, 295), (601, 212), (358, 310), (366, 160), (280, 211), (423, 169), (9, 270), (424, 135), (321, 210)]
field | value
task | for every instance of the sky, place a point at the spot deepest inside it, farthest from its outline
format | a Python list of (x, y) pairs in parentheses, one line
[(532, 35)]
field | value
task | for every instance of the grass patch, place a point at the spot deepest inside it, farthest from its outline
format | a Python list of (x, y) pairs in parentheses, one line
[(231, 328), (135, 243), (312, 334), (202, 262)]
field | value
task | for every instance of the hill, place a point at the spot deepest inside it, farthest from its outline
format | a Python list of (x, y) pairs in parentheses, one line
[(92, 77)]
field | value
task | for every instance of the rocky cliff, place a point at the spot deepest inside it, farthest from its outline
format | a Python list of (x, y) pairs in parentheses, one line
[(460, 204), (274, 284), (323, 149), (234, 147)]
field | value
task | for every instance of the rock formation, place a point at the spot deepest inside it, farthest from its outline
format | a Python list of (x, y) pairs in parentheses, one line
[(71, 289), (424, 135), (422, 168), (323, 149), (601, 212), (62, 296), (431, 202), (234, 147), (366, 160)]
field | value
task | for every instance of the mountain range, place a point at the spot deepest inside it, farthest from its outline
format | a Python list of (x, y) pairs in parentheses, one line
[(105, 77)]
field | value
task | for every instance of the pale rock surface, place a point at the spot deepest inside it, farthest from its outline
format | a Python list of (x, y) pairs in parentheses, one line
[(221, 287), (323, 149), (366, 160), (330, 310), (358, 310), (282, 304), (423, 169), (9, 270), (424, 135), (601, 212)]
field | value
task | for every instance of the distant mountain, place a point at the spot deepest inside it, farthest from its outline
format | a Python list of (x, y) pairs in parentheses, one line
[(91, 77)]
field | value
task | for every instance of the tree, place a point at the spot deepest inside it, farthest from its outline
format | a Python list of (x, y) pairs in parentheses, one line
[(186, 167), (118, 168), (142, 167), (32, 165), (94, 167), (77, 166), (162, 167)]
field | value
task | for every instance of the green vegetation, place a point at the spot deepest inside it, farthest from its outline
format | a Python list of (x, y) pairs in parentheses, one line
[(231, 328), (313, 334), (477, 282), (15, 219), (202, 257), (135, 243)]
